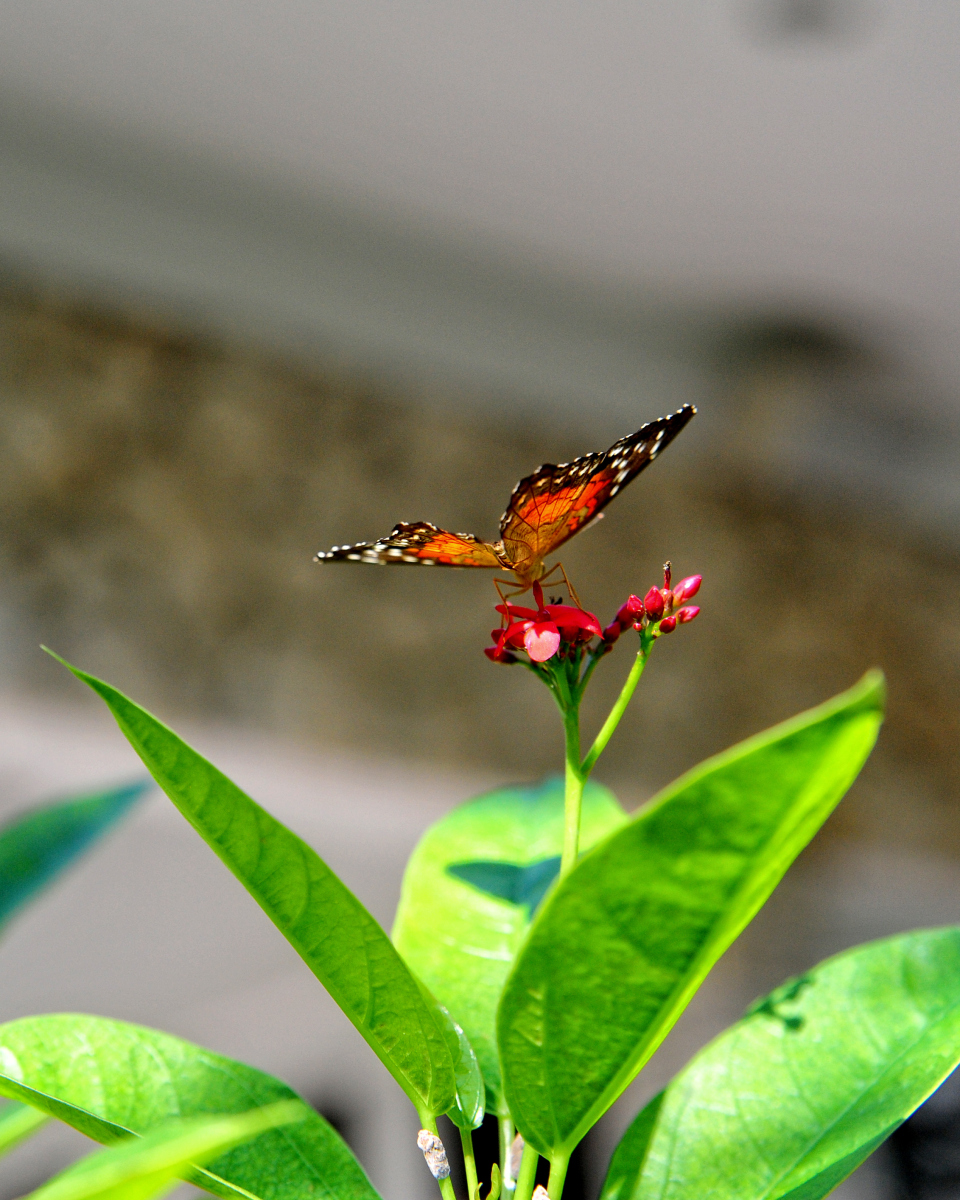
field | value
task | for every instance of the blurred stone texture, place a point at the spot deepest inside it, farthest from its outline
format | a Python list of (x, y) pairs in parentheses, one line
[(162, 497)]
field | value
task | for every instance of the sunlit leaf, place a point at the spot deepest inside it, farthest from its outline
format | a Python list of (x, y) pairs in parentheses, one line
[(108, 1079), (470, 887), (141, 1167), (793, 1098), (621, 945), (321, 918)]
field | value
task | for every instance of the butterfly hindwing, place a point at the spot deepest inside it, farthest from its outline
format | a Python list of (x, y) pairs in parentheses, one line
[(418, 543), (555, 502)]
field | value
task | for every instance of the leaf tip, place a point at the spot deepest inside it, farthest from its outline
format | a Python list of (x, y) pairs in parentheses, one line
[(870, 691)]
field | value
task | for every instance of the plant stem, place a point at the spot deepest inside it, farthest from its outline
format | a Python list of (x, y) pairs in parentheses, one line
[(528, 1173), (469, 1163), (573, 790), (506, 1141), (558, 1172), (613, 720), (445, 1185)]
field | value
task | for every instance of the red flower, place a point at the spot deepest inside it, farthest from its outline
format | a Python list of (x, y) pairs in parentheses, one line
[(542, 631)]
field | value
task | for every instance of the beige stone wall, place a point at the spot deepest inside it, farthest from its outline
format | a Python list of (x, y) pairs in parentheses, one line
[(162, 497)]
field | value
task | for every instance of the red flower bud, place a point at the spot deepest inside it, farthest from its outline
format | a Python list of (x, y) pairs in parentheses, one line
[(687, 614), (628, 612), (687, 588), (612, 632), (653, 603), (495, 654), (668, 624), (666, 576)]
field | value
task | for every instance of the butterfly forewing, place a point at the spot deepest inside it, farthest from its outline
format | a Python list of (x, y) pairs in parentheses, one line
[(555, 502), (418, 542), (545, 509)]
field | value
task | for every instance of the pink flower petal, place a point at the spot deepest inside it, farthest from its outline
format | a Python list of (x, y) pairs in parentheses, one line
[(542, 640)]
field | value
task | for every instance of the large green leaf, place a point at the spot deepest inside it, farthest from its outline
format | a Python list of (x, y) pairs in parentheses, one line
[(141, 1167), (108, 1079), (321, 918), (619, 948), (469, 889), (790, 1100), (37, 845)]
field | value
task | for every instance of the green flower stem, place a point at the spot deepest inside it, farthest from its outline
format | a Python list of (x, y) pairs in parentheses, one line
[(469, 1162), (528, 1173), (558, 1172), (613, 720), (507, 1134), (445, 1185), (573, 792)]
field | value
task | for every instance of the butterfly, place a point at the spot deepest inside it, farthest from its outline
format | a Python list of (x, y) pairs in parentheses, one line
[(546, 509)]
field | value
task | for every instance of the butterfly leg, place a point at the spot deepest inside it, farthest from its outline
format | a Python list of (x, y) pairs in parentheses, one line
[(570, 588), (518, 590)]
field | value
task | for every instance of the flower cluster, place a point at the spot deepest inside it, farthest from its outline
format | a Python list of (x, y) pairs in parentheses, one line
[(564, 630), (541, 632), (664, 607)]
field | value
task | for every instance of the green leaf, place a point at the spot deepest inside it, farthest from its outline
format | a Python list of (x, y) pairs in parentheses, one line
[(468, 1109), (325, 923), (138, 1168), (468, 891), (621, 945), (17, 1123), (631, 1152), (109, 1079), (36, 846), (793, 1098)]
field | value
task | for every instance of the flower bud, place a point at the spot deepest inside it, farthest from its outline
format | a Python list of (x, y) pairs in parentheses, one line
[(687, 614), (653, 604), (687, 588), (668, 624), (612, 632), (495, 654), (666, 576), (628, 612)]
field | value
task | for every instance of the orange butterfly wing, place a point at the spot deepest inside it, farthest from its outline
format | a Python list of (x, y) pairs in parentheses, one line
[(555, 502), (420, 543)]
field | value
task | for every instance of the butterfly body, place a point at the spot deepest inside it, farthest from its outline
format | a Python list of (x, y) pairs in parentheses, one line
[(545, 510)]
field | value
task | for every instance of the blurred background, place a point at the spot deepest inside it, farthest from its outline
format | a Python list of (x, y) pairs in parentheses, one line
[(274, 277)]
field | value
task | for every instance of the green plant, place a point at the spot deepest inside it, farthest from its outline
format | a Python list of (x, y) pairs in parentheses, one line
[(545, 943)]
